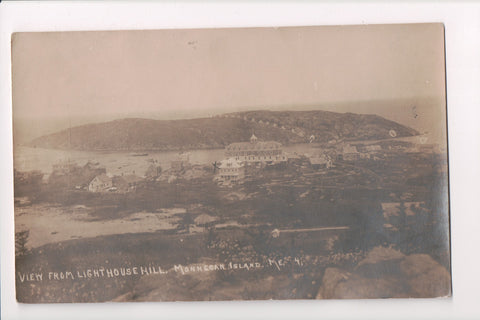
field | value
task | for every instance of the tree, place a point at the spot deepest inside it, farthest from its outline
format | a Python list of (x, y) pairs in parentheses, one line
[(21, 239)]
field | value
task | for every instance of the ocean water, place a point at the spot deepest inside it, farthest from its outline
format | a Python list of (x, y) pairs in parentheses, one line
[(116, 163)]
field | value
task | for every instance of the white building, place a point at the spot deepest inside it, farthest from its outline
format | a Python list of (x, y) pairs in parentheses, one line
[(230, 171), (100, 183), (256, 151)]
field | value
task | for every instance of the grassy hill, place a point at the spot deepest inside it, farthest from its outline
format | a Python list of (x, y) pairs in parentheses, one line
[(287, 127)]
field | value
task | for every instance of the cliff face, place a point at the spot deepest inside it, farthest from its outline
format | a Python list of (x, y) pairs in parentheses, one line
[(287, 127)]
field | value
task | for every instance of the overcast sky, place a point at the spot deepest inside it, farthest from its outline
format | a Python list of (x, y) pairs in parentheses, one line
[(180, 73)]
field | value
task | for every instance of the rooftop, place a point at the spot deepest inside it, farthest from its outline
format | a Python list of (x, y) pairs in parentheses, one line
[(259, 145), (103, 178)]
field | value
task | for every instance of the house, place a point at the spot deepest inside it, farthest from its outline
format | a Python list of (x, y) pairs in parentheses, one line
[(321, 161), (373, 148), (364, 155), (89, 171), (370, 151), (100, 183), (350, 153), (230, 171), (256, 151)]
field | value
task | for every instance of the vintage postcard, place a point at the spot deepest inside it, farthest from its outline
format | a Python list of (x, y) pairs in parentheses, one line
[(231, 164)]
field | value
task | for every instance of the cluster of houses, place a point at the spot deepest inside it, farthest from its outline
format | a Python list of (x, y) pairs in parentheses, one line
[(229, 171), (295, 130), (123, 183), (93, 177), (345, 152), (240, 155), (376, 152), (129, 182)]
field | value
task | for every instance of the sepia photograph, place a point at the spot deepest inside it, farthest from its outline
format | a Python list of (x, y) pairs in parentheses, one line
[(231, 164)]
